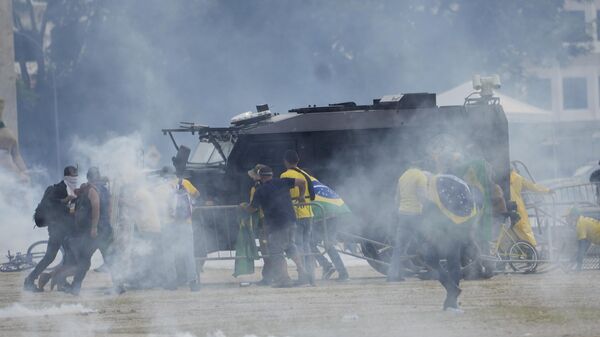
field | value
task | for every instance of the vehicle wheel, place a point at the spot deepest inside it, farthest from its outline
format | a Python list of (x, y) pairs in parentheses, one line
[(36, 252), (523, 251), (375, 252)]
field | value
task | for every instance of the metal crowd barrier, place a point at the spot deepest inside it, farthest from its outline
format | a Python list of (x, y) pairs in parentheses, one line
[(547, 213), (216, 230)]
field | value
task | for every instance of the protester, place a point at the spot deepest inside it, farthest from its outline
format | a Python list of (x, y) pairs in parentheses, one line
[(273, 197), (304, 213), (446, 227), (84, 241), (588, 233), (178, 233), (518, 184), (267, 270), (55, 211), (411, 192), (329, 211)]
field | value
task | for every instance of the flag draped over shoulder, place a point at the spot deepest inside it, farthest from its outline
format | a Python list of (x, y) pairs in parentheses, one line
[(331, 202)]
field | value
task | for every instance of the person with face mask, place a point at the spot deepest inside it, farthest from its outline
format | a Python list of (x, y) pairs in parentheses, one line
[(56, 211)]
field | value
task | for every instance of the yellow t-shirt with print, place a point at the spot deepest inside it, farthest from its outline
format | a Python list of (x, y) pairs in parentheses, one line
[(302, 212), (588, 229)]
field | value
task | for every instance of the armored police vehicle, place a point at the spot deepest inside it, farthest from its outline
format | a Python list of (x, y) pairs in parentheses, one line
[(357, 150)]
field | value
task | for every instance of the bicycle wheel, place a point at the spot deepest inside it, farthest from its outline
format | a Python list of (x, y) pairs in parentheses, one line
[(36, 252), (9, 267), (523, 257)]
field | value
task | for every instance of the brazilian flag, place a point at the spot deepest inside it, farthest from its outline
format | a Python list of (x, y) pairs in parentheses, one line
[(453, 198), (330, 201)]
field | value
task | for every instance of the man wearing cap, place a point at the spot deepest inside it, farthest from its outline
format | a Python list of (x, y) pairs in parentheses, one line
[(267, 270), (273, 197)]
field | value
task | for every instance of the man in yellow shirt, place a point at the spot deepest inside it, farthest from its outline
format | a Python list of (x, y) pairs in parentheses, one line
[(411, 191), (304, 213)]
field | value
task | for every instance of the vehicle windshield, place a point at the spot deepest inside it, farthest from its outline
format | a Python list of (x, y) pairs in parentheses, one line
[(207, 153)]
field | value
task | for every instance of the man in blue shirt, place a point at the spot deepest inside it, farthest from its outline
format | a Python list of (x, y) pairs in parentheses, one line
[(273, 197)]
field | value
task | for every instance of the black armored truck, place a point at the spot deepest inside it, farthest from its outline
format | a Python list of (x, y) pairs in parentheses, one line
[(357, 150)]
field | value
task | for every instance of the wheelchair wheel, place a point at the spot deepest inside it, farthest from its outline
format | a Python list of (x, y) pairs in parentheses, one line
[(525, 252), (36, 252)]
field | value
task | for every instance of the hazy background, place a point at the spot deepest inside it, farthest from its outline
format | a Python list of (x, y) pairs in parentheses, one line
[(141, 65)]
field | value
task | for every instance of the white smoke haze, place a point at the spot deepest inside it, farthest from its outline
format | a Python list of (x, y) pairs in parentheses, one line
[(18, 201), (19, 310)]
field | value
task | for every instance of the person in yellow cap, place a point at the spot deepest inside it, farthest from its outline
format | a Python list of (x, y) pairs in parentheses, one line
[(518, 184), (588, 232)]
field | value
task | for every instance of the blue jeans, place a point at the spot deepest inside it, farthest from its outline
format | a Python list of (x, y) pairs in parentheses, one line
[(179, 246)]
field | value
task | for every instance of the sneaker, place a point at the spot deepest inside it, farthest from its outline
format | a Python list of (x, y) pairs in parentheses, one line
[(454, 310), (194, 286)]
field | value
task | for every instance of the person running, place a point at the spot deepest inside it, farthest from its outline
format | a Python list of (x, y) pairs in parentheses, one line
[(411, 192), (304, 213), (273, 197), (54, 212), (446, 227), (84, 241)]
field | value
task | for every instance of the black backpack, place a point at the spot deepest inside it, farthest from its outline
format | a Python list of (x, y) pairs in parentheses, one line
[(43, 211)]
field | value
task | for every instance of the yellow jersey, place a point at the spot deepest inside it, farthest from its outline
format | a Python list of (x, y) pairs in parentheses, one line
[(588, 229), (302, 212), (410, 191)]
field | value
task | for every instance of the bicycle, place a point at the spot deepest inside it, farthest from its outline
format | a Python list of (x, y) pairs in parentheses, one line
[(520, 255), (30, 259)]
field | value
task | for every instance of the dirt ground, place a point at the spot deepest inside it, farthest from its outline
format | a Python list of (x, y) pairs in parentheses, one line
[(548, 304)]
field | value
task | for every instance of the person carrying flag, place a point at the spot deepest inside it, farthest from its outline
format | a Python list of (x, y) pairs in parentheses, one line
[(331, 211), (446, 228)]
